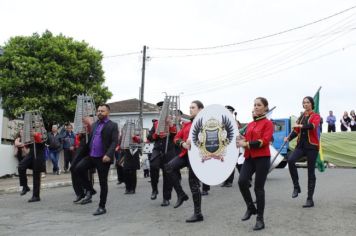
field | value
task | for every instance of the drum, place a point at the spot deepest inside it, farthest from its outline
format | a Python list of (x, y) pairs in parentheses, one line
[(213, 154)]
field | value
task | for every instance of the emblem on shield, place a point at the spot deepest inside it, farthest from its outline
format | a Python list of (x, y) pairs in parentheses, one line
[(212, 137)]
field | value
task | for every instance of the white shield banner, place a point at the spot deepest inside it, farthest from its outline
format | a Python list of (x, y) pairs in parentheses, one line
[(213, 154)]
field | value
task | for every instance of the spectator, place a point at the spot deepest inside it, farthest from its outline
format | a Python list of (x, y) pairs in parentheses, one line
[(68, 146), (146, 166), (345, 122), (353, 120), (321, 124), (331, 120), (55, 146)]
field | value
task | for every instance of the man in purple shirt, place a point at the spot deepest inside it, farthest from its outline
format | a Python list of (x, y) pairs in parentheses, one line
[(99, 152)]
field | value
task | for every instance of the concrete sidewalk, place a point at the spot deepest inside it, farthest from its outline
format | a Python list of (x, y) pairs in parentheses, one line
[(11, 184)]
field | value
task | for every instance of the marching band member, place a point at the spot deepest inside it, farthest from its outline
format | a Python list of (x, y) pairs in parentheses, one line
[(306, 129), (257, 160), (181, 161), (79, 143), (35, 160), (99, 153), (131, 165), (160, 156)]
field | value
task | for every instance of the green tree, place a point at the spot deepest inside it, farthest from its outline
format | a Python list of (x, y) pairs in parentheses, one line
[(45, 72)]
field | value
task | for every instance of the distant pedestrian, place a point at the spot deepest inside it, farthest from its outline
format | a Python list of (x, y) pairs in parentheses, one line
[(345, 122), (353, 120), (55, 146), (146, 166), (331, 120), (68, 146)]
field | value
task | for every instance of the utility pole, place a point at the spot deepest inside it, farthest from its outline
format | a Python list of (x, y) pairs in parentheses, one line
[(142, 89)]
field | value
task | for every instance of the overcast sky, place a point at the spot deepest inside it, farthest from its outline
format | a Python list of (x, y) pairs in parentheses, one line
[(283, 68)]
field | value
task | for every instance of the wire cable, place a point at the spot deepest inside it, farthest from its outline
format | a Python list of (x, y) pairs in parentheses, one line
[(262, 37)]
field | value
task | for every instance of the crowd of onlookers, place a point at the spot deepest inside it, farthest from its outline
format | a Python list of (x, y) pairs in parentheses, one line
[(347, 122)]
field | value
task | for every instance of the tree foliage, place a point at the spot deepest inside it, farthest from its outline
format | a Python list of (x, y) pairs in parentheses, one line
[(45, 72)]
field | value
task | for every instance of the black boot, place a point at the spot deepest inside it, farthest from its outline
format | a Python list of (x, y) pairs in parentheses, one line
[(259, 223), (180, 200), (251, 210), (25, 189), (87, 198), (154, 194), (296, 191), (311, 188), (195, 218), (79, 198), (34, 199), (309, 203), (165, 203)]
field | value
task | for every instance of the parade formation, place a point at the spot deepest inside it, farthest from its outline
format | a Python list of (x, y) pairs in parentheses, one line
[(193, 149), (211, 144)]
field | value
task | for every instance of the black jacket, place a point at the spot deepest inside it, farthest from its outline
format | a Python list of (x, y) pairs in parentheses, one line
[(54, 142), (38, 160), (109, 135), (131, 162)]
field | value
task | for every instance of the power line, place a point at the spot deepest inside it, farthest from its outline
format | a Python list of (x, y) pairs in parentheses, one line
[(123, 54), (259, 38), (276, 72), (278, 59), (250, 48)]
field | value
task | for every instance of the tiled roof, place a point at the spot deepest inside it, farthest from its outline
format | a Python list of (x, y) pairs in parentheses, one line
[(131, 105)]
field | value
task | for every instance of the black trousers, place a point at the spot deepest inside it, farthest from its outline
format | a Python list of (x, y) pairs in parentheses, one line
[(173, 168), (77, 181), (120, 173), (331, 128), (68, 158), (311, 155), (103, 170), (260, 167), (155, 165), (27, 163), (130, 179)]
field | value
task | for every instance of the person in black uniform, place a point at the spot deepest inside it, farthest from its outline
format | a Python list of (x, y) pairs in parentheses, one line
[(131, 165), (163, 151), (79, 143), (35, 160)]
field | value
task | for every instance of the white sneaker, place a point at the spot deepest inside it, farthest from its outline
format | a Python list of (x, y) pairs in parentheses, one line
[(43, 175)]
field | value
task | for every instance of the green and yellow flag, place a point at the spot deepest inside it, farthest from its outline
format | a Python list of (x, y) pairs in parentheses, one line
[(320, 159)]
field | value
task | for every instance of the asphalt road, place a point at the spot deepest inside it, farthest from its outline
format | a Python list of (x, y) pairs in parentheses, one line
[(334, 212)]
